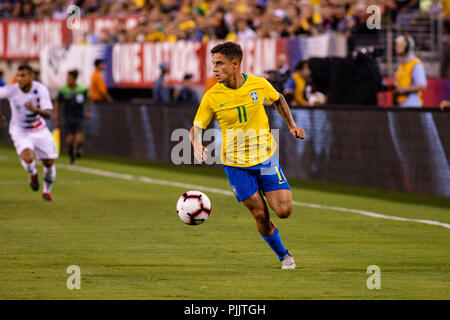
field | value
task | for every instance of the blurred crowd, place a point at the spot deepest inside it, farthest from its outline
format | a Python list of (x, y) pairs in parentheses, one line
[(203, 20)]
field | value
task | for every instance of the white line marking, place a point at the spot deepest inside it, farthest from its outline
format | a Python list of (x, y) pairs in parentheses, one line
[(229, 193)]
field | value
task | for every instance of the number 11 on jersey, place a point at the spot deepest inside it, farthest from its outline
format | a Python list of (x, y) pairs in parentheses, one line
[(242, 113)]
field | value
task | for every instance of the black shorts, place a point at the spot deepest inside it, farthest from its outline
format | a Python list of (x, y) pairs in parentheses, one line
[(73, 126)]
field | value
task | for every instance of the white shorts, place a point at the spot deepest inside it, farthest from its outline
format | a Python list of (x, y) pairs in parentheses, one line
[(40, 142)]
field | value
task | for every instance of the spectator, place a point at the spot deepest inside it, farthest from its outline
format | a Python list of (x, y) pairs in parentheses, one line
[(6, 8), (244, 32), (27, 10), (93, 37), (203, 20), (405, 6), (297, 88), (221, 29), (281, 74), (410, 78), (187, 94), (161, 90)]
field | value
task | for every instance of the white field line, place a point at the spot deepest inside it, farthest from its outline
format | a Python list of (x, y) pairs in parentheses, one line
[(229, 193)]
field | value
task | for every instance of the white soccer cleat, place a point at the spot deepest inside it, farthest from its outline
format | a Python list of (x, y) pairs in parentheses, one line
[(288, 262)]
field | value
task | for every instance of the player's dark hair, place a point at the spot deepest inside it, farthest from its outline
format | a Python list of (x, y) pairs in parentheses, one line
[(25, 67), (73, 73), (229, 49), (98, 62), (301, 64)]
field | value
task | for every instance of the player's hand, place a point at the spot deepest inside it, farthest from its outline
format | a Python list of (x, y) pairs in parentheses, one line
[(30, 106), (3, 121), (200, 152), (297, 132)]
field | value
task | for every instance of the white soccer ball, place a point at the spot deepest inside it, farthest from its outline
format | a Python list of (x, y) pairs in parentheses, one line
[(193, 207), (316, 98)]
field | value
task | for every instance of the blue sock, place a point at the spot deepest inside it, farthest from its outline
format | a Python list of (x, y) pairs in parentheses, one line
[(274, 241)]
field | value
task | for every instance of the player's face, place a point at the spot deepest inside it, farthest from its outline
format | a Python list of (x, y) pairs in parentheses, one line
[(223, 67), (24, 78), (70, 80)]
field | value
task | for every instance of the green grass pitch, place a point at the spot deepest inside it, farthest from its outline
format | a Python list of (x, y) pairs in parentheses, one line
[(128, 242)]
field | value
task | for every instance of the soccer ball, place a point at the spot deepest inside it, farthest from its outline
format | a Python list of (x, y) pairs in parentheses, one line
[(316, 99), (193, 207)]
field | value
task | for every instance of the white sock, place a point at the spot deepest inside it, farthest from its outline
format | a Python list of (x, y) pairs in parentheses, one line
[(29, 167), (49, 178)]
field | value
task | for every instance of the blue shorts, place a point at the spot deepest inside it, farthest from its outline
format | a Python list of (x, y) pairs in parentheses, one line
[(267, 176)]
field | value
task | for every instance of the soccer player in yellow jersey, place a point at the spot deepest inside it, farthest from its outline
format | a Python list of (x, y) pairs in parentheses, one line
[(248, 148)]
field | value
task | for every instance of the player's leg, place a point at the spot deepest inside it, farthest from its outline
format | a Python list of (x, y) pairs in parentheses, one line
[(69, 141), (260, 212), (277, 191), (45, 150), (79, 141), (245, 187), (29, 164), (280, 201), (279, 197), (266, 227), (25, 150), (49, 178)]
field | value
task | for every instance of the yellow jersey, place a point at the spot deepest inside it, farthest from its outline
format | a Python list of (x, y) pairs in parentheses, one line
[(246, 136)]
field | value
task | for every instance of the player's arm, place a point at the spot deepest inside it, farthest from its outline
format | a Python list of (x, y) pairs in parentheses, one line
[(43, 113), (55, 115), (5, 92), (201, 121), (283, 109), (45, 107), (195, 135), (56, 107)]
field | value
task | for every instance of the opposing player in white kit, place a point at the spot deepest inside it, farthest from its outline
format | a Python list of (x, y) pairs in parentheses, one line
[(30, 102)]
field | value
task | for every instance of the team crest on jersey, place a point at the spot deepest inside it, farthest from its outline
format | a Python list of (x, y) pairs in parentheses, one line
[(254, 95)]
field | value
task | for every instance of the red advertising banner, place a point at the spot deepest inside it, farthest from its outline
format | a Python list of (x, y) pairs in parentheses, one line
[(23, 40)]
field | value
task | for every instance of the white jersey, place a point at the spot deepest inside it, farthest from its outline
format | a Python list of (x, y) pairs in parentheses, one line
[(23, 120)]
